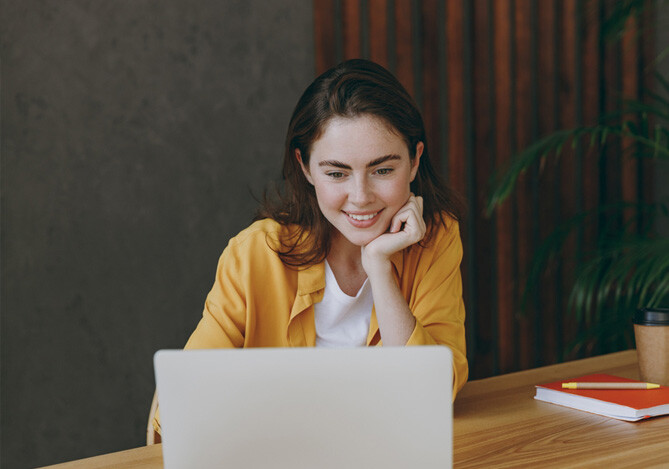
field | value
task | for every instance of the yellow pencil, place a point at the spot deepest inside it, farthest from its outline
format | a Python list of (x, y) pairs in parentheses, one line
[(574, 385)]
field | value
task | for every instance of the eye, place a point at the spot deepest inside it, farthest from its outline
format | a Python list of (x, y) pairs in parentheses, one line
[(335, 174), (384, 171)]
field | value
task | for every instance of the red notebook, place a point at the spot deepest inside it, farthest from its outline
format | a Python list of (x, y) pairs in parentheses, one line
[(628, 404)]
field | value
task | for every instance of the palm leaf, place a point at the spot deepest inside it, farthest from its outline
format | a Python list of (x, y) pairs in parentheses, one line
[(631, 273), (504, 184), (552, 247)]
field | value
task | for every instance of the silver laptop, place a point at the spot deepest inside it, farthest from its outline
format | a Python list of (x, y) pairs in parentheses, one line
[(306, 407)]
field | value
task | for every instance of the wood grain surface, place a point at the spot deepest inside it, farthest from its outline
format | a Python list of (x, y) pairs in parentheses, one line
[(498, 424)]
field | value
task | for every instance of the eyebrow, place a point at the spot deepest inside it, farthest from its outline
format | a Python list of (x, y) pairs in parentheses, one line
[(376, 162)]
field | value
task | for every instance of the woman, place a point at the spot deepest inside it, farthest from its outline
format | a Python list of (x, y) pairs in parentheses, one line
[(362, 247)]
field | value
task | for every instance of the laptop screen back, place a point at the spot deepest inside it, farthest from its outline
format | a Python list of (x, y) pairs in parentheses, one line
[(306, 407)]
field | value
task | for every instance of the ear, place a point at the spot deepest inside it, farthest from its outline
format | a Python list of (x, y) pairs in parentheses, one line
[(305, 170), (416, 160)]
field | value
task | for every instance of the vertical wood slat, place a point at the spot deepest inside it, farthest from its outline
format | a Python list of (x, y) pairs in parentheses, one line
[(324, 37), (523, 137), (647, 55), (455, 92), (505, 260), (590, 108), (610, 88), (567, 163), (630, 87), (547, 122), (430, 78), (456, 133), (590, 66), (378, 31), (351, 29), (403, 45), (613, 78), (536, 66), (470, 245), (485, 322)]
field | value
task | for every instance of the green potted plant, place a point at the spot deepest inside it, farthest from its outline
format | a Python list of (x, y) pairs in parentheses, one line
[(628, 265)]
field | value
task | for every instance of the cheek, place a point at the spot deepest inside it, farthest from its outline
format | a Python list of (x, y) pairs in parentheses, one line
[(397, 193), (329, 196)]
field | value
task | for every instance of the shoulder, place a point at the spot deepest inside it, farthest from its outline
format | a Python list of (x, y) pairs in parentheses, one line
[(262, 236), (440, 253), (444, 233), (249, 267), (258, 230), (442, 240)]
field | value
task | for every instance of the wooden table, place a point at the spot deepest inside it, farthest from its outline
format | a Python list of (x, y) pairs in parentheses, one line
[(498, 424)]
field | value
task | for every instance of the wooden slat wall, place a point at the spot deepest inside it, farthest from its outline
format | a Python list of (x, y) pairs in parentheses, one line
[(490, 77)]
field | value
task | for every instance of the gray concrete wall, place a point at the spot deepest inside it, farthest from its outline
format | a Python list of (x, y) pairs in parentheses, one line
[(132, 134)]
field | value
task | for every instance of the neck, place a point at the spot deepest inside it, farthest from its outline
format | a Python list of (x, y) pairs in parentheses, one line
[(346, 264), (343, 252)]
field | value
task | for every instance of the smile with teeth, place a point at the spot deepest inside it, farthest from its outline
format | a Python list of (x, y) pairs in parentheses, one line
[(362, 217)]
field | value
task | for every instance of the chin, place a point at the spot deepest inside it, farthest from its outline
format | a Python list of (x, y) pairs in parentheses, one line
[(361, 239)]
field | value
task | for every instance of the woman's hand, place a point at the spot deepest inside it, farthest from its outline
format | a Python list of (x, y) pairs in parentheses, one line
[(406, 228), (396, 322)]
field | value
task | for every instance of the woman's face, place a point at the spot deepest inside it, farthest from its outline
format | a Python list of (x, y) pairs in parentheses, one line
[(361, 171)]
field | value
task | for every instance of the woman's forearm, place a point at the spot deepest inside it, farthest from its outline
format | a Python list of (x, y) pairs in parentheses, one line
[(396, 322)]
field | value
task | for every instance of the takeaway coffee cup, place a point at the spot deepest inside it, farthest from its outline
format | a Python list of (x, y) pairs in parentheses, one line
[(651, 330)]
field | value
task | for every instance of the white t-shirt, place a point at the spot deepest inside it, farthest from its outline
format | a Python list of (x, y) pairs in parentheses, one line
[(342, 320)]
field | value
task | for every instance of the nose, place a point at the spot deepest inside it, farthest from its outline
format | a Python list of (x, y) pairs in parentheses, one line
[(361, 193)]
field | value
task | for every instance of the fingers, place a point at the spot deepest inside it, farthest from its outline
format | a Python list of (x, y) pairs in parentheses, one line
[(407, 227), (410, 219)]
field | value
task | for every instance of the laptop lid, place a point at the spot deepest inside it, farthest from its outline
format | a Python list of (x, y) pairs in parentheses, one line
[(306, 407)]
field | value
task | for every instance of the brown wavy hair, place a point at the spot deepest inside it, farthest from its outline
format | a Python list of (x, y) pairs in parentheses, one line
[(353, 88)]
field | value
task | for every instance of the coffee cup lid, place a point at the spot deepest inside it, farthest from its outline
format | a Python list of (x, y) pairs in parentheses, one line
[(652, 317)]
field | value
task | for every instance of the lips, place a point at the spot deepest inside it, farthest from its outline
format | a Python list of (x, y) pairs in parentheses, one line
[(363, 220), (362, 217)]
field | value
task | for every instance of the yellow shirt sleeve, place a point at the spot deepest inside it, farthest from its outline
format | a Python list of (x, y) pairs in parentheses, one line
[(223, 320), (436, 300)]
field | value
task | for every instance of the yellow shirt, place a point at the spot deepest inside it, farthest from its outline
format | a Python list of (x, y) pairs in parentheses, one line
[(258, 301)]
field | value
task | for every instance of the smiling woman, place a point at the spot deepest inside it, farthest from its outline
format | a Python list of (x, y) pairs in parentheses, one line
[(362, 247)]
